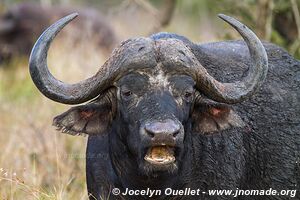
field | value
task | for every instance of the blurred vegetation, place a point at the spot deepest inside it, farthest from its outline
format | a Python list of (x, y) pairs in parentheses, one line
[(272, 20)]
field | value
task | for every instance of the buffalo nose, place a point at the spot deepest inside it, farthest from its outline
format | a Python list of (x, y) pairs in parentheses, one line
[(165, 128)]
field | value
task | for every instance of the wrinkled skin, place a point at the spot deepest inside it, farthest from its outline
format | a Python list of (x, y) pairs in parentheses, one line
[(22, 24), (250, 145)]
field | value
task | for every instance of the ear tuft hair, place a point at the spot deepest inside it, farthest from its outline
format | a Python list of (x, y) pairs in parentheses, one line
[(90, 119), (66, 130)]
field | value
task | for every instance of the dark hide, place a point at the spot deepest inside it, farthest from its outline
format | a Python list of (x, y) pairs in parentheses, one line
[(21, 25), (250, 145)]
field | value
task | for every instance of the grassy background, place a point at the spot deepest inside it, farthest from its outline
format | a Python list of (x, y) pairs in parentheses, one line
[(36, 161)]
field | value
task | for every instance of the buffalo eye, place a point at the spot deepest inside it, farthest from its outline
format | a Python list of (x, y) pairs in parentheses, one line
[(126, 94), (188, 95)]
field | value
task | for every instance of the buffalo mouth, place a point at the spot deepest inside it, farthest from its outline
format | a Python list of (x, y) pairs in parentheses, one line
[(160, 155)]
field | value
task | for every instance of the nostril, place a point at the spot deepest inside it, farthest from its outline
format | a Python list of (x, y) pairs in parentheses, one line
[(151, 134), (175, 133)]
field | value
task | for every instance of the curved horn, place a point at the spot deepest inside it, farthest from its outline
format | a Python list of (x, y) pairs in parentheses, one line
[(121, 61), (240, 90), (44, 80)]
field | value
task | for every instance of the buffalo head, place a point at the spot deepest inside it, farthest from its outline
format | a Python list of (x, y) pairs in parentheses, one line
[(146, 94)]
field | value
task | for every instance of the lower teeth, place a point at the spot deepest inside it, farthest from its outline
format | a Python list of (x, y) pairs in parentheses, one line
[(160, 155)]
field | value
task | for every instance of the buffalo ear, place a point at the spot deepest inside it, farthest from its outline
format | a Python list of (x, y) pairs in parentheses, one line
[(209, 117), (90, 119)]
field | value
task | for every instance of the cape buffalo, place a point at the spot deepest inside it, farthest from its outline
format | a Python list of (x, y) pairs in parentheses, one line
[(171, 119), (21, 25)]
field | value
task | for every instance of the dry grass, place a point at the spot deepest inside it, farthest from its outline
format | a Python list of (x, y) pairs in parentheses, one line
[(37, 162)]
